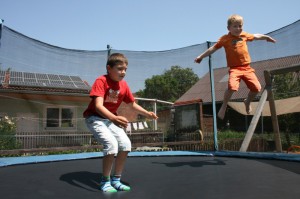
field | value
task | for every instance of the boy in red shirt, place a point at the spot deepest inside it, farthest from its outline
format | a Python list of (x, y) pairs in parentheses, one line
[(107, 93), (238, 61)]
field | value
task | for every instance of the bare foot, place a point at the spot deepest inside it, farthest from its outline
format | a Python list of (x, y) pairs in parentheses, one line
[(248, 107), (221, 113), (201, 135)]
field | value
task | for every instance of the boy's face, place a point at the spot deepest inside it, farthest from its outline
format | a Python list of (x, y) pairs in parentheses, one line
[(236, 28), (117, 72)]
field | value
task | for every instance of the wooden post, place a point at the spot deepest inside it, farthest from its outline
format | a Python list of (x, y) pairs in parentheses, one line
[(254, 121), (201, 122), (268, 80), (267, 93)]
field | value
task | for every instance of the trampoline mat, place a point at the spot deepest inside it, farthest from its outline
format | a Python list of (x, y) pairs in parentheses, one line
[(175, 177)]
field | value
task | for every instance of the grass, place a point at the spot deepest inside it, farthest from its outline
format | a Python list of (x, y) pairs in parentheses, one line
[(228, 134)]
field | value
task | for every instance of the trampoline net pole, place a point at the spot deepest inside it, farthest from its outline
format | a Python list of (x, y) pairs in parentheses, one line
[(213, 100)]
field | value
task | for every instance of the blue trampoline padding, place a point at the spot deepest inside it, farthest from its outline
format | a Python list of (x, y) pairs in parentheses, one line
[(51, 158), (47, 158), (259, 155)]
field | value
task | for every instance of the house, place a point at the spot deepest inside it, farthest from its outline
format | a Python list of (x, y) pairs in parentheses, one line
[(43, 102), (47, 102), (202, 90), (47, 108)]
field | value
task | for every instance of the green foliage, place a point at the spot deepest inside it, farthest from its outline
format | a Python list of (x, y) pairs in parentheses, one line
[(232, 135), (228, 134), (286, 86), (7, 133), (170, 85)]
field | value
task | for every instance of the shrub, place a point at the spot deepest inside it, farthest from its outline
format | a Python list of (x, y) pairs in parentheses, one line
[(7, 133)]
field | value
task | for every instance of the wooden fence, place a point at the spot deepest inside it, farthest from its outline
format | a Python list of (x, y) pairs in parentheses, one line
[(256, 145), (146, 137), (29, 140), (63, 141)]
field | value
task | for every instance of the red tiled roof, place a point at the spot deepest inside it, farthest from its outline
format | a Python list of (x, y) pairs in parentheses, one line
[(180, 103), (202, 89)]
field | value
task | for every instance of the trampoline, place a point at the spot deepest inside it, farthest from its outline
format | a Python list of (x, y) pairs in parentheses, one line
[(154, 176)]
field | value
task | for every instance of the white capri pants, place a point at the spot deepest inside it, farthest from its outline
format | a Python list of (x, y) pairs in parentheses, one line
[(112, 137)]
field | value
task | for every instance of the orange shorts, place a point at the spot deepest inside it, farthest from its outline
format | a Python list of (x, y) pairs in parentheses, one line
[(247, 74)]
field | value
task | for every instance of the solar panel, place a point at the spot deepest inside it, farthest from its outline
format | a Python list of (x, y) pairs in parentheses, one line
[(55, 83), (76, 78), (65, 78), (29, 75), (81, 85), (45, 80), (16, 76), (42, 76), (68, 83), (53, 77), (2, 76), (30, 79)]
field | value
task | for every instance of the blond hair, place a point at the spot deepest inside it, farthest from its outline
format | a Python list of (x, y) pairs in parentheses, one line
[(234, 18)]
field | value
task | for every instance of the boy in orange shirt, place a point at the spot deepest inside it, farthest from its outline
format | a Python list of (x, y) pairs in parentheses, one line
[(238, 60)]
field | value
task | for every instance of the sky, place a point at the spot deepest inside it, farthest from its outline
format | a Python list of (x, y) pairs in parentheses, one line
[(140, 25)]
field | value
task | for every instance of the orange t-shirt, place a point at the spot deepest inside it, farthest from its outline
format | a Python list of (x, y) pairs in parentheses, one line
[(236, 48)]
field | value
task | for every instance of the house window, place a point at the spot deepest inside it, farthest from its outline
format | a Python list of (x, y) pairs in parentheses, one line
[(60, 118)]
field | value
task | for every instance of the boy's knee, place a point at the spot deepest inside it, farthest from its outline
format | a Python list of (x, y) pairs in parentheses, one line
[(233, 87), (256, 90), (111, 148), (232, 90), (125, 145), (255, 87)]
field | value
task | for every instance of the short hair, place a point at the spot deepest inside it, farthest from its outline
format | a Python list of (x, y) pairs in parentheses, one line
[(234, 18), (116, 58)]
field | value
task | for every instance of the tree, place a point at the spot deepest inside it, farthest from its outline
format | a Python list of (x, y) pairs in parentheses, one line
[(170, 85), (286, 86)]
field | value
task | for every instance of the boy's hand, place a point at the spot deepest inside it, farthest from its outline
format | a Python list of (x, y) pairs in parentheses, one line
[(198, 60), (120, 121), (152, 115), (264, 37), (270, 39)]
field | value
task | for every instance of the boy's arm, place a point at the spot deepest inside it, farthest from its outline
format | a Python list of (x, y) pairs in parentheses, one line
[(104, 112), (264, 37), (142, 111), (208, 52)]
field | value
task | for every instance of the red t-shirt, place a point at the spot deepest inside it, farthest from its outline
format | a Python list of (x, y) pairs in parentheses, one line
[(236, 48), (113, 93)]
